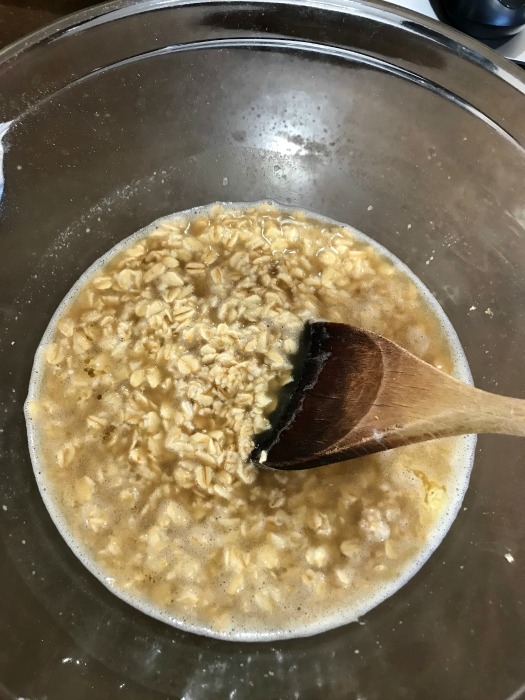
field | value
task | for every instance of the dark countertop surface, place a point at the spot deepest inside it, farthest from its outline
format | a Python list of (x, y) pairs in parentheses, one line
[(20, 17)]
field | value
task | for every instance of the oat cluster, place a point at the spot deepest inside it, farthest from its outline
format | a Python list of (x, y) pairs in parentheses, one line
[(163, 368)]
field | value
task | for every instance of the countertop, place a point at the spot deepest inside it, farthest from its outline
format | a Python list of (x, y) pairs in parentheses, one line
[(18, 17)]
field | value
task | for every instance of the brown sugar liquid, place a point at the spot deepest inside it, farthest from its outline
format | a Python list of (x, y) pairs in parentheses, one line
[(149, 383)]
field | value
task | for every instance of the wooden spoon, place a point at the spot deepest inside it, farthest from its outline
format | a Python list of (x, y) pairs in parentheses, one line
[(358, 393)]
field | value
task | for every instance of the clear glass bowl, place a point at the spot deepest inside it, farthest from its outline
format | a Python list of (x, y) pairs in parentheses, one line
[(376, 117)]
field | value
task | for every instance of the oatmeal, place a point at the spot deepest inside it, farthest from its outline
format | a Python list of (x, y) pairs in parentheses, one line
[(154, 377)]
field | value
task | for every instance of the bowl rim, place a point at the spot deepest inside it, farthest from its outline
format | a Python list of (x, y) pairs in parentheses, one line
[(465, 47)]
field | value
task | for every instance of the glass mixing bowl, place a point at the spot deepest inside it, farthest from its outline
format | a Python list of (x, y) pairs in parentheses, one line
[(372, 116)]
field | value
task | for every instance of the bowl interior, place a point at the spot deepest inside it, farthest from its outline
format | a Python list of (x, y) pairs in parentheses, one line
[(134, 111)]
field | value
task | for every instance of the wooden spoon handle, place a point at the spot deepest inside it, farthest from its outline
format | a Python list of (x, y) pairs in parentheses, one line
[(419, 402), (491, 413)]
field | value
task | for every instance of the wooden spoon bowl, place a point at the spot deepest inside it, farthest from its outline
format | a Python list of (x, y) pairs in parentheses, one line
[(358, 393)]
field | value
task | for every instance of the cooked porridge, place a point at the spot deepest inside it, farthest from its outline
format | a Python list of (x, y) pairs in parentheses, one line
[(153, 378)]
